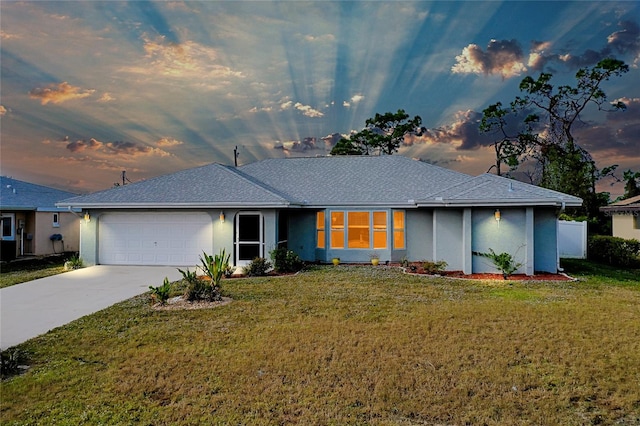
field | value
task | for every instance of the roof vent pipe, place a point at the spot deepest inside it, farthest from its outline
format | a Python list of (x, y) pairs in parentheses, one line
[(510, 186)]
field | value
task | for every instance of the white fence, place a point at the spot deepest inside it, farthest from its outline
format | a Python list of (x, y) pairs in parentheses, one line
[(572, 239)]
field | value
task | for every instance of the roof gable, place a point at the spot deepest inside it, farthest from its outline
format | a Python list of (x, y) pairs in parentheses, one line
[(19, 195)]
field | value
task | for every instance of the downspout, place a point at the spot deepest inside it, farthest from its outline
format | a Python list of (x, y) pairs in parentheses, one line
[(562, 207)]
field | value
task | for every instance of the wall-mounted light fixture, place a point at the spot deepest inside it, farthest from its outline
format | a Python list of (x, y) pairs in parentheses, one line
[(87, 217), (221, 217), (497, 215)]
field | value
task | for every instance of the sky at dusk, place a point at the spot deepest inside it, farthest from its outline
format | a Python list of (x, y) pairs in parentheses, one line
[(89, 89)]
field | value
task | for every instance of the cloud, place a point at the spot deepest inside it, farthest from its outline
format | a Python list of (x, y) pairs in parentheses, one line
[(331, 140), (58, 93), (187, 59), (354, 100), (3, 110), (462, 133), (106, 97), (308, 111), (502, 57), (305, 109), (81, 145), (168, 142), (505, 57), (627, 40), (306, 144), (120, 148)]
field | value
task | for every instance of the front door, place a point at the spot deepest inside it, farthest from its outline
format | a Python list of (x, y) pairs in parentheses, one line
[(249, 237)]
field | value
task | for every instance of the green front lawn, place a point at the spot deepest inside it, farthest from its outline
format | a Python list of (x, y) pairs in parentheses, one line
[(12, 277), (346, 345)]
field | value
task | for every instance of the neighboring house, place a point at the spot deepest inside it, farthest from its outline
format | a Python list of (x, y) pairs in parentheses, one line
[(30, 218), (625, 217), (324, 207)]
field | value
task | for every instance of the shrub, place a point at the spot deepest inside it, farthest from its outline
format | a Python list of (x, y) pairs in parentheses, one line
[(504, 262), (258, 267), (161, 293), (10, 361), (199, 289), (215, 266), (613, 250), (74, 262), (434, 267), (285, 260)]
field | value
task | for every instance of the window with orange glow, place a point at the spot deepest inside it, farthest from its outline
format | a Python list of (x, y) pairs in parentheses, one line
[(320, 229), (379, 230), (358, 230), (337, 230), (398, 229)]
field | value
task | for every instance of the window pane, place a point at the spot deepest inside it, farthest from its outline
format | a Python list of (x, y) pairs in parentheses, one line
[(320, 239), (398, 220), (398, 239), (6, 227), (358, 224), (337, 239), (249, 228), (337, 219), (379, 220), (380, 239), (248, 251), (320, 220), (358, 219)]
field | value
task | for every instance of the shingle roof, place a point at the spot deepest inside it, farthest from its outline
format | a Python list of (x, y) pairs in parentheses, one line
[(630, 204), (491, 190), (211, 185), (353, 180), (322, 181), (19, 195)]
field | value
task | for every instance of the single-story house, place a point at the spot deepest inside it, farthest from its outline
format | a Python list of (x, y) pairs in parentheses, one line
[(625, 218), (324, 207), (31, 222)]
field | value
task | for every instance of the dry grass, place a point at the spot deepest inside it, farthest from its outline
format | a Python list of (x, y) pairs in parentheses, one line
[(346, 345)]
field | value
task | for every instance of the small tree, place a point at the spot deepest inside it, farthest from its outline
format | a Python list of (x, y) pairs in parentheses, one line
[(383, 134)]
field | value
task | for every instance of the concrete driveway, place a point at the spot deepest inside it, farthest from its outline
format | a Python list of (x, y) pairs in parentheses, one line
[(30, 309)]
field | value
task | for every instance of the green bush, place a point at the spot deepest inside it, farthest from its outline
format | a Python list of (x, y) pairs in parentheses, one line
[(10, 362), (216, 266), (434, 267), (258, 267), (74, 262), (161, 293), (504, 262), (614, 251), (285, 260)]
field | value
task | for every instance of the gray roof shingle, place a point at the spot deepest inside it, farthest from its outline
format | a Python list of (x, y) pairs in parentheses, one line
[(488, 189), (211, 185), (353, 180), (322, 181), (19, 195)]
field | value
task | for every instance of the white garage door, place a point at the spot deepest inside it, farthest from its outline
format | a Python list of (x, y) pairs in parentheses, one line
[(171, 239)]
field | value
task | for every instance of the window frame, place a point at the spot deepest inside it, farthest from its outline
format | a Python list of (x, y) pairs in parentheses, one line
[(321, 233), (11, 217), (399, 230), (56, 220)]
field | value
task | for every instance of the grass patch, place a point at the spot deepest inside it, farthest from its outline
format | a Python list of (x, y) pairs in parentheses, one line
[(598, 273), (21, 271), (10, 278), (345, 345)]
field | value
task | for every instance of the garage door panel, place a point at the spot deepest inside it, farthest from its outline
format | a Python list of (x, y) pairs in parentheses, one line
[(173, 239)]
